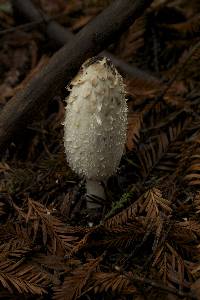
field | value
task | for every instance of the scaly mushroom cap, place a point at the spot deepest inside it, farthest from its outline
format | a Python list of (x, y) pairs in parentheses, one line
[(96, 120)]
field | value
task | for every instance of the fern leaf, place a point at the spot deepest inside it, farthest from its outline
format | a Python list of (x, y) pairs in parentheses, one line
[(135, 121), (171, 267), (22, 278), (151, 154), (42, 221), (192, 176), (149, 204), (185, 30), (73, 285), (133, 39), (113, 282), (154, 204), (14, 241)]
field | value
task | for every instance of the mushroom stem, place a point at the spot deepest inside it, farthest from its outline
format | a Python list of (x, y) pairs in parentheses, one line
[(95, 194)]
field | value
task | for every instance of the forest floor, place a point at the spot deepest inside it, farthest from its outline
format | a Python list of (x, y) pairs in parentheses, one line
[(146, 243)]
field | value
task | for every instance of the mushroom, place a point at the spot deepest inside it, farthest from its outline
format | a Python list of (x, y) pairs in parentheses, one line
[(95, 124)]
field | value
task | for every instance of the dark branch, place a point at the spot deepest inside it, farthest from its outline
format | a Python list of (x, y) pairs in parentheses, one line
[(54, 31), (61, 36), (63, 65)]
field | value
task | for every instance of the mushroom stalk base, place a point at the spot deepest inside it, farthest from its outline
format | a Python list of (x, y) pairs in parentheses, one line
[(95, 194)]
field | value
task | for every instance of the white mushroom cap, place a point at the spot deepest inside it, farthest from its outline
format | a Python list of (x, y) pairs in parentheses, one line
[(96, 120)]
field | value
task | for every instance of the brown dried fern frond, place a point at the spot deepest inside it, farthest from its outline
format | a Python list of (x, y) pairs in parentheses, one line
[(103, 236), (151, 154), (195, 287), (197, 202), (113, 282), (179, 102), (168, 162), (157, 122), (133, 39), (2, 208), (19, 179), (186, 231), (85, 241), (141, 88), (183, 159), (125, 284), (120, 237), (22, 278), (188, 64), (123, 217), (192, 172), (188, 158), (184, 30), (6, 295), (154, 205), (185, 235), (55, 262), (135, 121), (171, 267), (40, 220), (150, 205), (14, 241), (75, 282)]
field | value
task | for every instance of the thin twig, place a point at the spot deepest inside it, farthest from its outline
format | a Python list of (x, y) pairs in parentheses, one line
[(31, 25), (159, 285)]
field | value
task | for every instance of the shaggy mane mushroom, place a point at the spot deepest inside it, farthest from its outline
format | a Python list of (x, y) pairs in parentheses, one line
[(95, 124)]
